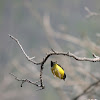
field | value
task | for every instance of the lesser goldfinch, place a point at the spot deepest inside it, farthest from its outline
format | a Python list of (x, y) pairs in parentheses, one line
[(57, 70)]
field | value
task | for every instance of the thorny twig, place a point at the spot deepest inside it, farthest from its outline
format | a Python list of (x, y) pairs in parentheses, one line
[(94, 59)]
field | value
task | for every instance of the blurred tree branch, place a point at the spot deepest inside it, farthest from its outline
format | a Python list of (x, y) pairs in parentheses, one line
[(87, 89), (90, 13), (66, 37)]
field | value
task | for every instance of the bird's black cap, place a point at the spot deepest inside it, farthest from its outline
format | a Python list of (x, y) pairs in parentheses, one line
[(52, 63)]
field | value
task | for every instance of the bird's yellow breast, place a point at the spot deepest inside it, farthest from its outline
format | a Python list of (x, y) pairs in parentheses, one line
[(57, 71)]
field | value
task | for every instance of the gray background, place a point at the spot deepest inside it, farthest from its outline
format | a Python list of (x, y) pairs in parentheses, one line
[(40, 25)]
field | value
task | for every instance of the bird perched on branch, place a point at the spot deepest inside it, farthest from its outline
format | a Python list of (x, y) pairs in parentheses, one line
[(57, 70)]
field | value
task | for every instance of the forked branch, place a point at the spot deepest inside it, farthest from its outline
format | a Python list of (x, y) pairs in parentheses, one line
[(31, 59)]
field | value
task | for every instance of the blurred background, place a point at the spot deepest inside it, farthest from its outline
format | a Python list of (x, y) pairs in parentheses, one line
[(39, 25)]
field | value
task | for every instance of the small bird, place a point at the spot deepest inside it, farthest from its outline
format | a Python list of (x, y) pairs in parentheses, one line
[(57, 70)]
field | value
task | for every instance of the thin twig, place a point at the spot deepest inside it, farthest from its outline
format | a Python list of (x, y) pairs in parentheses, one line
[(25, 80), (53, 50), (28, 58), (28, 81)]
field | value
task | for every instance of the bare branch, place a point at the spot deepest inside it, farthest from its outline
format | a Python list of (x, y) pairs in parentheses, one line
[(95, 59), (28, 58), (26, 80), (87, 89)]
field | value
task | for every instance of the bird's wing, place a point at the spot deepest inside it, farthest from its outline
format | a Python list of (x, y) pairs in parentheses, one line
[(60, 66)]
